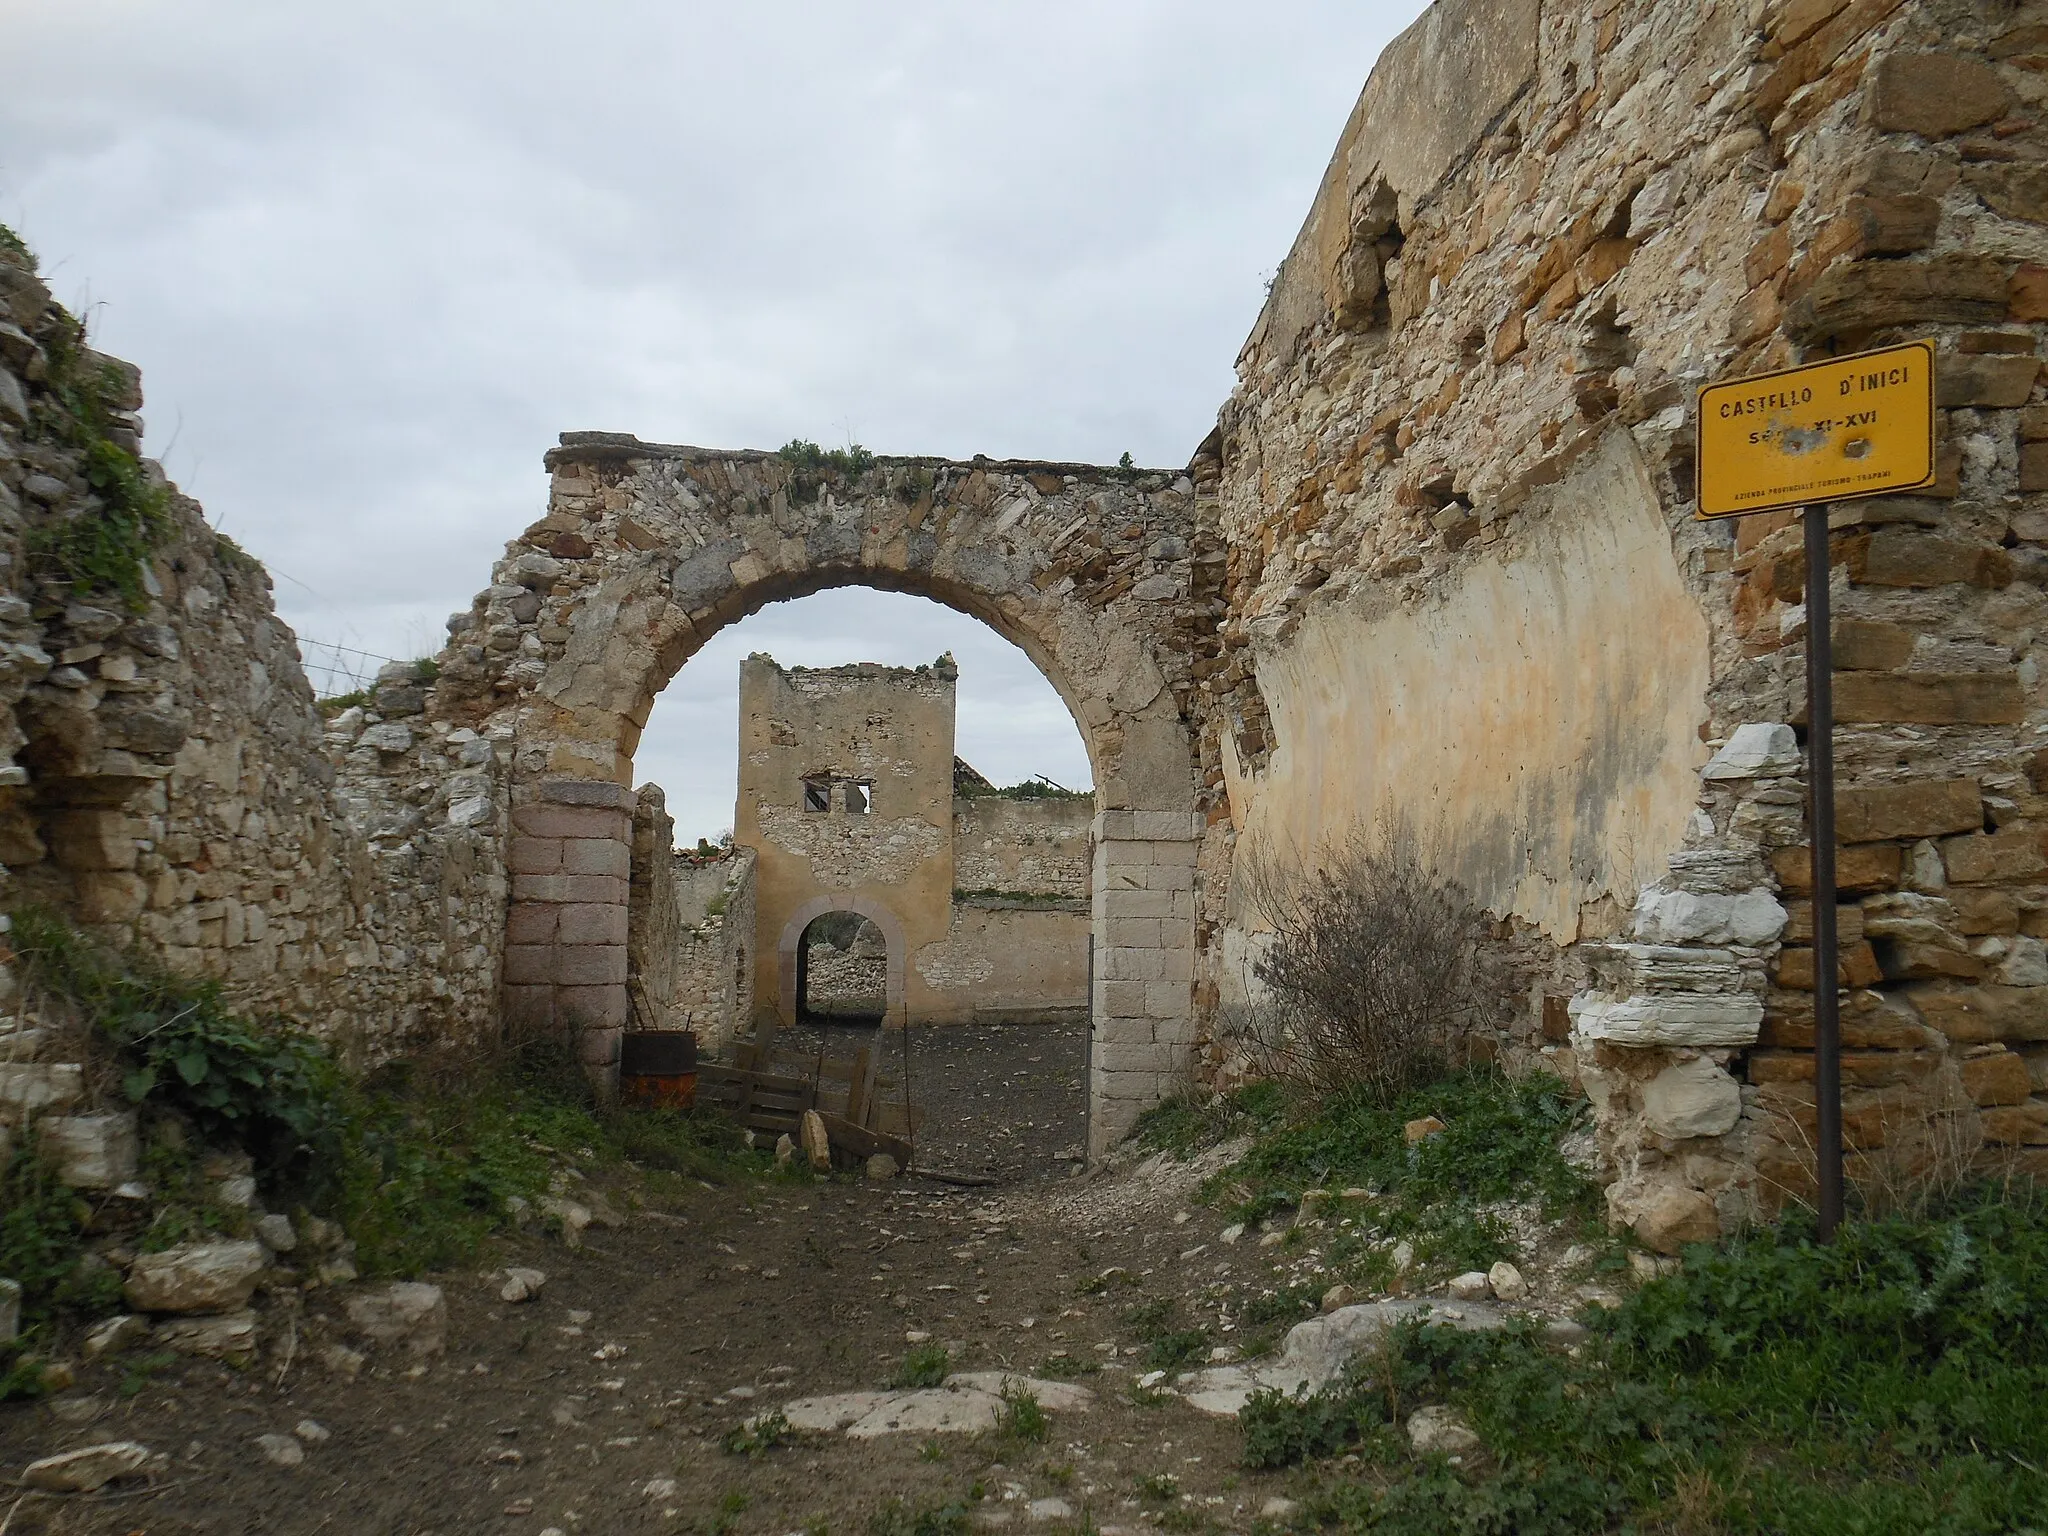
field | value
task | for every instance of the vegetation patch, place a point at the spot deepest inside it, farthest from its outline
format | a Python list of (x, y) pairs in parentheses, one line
[(103, 549), (924, 1365), (900, 1519), (1498, 1146), (978, 788), (813, 466), (420, 1171), (758, 1436), (1895, 1380)]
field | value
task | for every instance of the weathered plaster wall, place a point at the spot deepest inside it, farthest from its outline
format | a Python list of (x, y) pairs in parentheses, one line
[(1014, 961), (1464, 581), (885, 733), (1537, 715)]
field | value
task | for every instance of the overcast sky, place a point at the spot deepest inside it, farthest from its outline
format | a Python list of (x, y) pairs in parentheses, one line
[(373, 257)]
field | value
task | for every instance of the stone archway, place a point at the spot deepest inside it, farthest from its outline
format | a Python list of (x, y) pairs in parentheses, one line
[(648, 550), (790, 941)]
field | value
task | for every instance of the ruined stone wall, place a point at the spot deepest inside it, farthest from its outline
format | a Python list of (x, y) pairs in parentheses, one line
[(1022, 847), (654, 910), (168, 781), (845, 794), (1466, 589), (712, 976)]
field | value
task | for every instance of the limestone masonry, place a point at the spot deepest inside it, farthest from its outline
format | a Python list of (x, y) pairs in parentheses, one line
[(847, 796), (1436, 563)]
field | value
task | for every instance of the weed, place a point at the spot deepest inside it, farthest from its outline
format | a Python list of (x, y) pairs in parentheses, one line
[(1377, 970), (1159, 1488), (1183, 1518), (1060, 1472), (1113, 1278), (1189, 1122), (1022, 1418), (136, 1373), (931, 1450), (419, 1175), (730, 1508), (42, 1245), (1283, 1431), (104, 548), (1166, 1346), (1146, 1397), (924, 1365), (898, 1519), (21, 1374), (267, 1087), (233, 557), (813, 465), (1886, 1381), (758, 1436), (1500, 1143), (14, 246)]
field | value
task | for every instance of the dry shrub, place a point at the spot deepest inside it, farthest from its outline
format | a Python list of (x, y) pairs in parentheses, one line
[(1377, 973)]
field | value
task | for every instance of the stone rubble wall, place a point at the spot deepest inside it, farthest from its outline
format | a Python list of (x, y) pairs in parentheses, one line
[(1466, 589), (1022, 847), (713, 972), (167, 781)]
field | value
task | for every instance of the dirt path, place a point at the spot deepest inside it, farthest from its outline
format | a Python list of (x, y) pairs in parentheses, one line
[(601, 1405)]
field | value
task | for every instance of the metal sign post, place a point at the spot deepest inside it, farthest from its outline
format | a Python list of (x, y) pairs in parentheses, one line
[(1852, 426)]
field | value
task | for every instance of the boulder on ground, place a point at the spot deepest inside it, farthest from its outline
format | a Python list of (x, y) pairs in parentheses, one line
[(1675, 1216), (115, 1334), (407, 1313), (522, 1285), (817, 1144), (1438, 1431), (229, 1336), (92, 1467), (196, 1277)]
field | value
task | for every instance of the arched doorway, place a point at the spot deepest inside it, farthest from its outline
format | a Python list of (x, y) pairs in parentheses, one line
[(819, 922), (842, 971), (647, 550)]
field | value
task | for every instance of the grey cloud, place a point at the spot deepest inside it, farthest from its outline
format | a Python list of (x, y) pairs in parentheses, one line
[(372, 258)]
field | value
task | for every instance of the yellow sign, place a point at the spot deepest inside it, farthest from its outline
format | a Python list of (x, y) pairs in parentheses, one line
[(1852, 426)]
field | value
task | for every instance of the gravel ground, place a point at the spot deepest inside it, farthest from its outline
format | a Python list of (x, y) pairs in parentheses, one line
[(1004, 1101)]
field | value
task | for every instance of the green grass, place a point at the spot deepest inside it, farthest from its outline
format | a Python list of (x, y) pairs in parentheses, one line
[(1896, 1380), (758, 1436), (105, 549), (925, 1365), (420, 1172), (1499, 1144), (1022, 1418)]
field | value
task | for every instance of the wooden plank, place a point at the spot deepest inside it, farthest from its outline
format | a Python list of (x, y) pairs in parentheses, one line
[(889, 1117), (870, 1062), (859, 1087), (859, 1141), (767, 1082)]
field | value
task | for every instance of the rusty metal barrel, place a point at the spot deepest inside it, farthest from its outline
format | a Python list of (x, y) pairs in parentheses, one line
[(658, 1068)]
